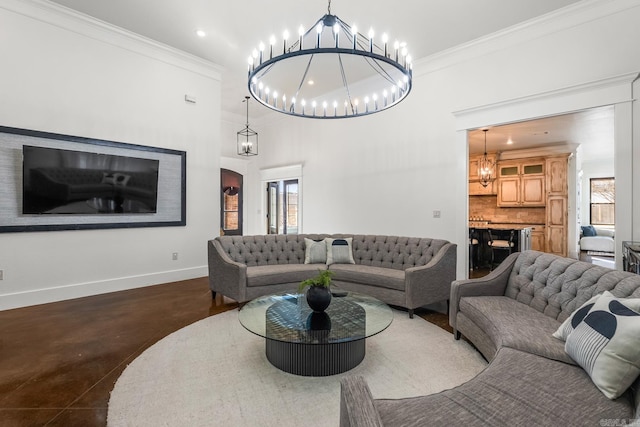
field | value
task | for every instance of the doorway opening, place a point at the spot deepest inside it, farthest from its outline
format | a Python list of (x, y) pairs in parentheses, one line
[(283, 207), (230, 203), (586, 136)]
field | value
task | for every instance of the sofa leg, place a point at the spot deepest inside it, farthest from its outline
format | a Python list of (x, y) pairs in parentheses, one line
[(213, 294), (411, 313), (456, 334)]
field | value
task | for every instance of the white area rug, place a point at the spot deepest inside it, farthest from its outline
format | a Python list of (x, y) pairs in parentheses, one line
[(214, 372)]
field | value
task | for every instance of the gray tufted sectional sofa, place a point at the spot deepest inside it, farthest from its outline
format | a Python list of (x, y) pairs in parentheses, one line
[(403, 271), (510, 316)]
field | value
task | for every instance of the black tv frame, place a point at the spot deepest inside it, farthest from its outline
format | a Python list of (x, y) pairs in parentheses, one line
[(70, 222)]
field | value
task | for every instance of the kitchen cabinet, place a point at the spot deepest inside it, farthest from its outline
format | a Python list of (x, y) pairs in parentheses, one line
[(538, 238), (521, 183), (557, 199), (557, 175), (476, 189), (474, 161), (557, 225)]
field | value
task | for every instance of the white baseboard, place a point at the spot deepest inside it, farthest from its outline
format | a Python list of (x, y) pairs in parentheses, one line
[(79, 290)]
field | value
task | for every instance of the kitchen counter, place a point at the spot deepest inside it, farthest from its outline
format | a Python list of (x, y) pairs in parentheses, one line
[(501, 226), (481, 233)]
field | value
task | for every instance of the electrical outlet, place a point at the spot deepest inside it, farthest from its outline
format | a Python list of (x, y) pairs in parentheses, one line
[(175, 256), (1, 274), (436, 214)]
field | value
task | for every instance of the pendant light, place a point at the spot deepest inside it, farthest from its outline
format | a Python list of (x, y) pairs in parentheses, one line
[(247, 138), (486, 167)]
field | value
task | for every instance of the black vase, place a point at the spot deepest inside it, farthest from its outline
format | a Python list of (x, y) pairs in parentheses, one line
[(318, 298), (319, 322)]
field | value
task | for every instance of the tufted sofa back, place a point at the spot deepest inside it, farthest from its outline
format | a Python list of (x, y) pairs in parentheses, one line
[(557, 286), (395, 252)]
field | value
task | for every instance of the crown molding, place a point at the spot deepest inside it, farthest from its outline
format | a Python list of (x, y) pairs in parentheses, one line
[(559, 20), (79, 23), (608, 91), (547, 150)]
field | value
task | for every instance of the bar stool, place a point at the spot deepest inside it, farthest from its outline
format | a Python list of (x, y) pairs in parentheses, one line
[(473, 247), (500, 241)]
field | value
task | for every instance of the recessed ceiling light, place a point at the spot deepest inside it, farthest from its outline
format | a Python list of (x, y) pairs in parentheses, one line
[(201, 33), (311, 82), (509, 141)]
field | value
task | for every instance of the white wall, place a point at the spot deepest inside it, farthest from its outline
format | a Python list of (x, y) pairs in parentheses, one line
[(65, 74), (388, 172)]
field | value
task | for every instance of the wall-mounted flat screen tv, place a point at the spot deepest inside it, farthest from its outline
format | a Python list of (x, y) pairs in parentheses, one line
[(57, 181)]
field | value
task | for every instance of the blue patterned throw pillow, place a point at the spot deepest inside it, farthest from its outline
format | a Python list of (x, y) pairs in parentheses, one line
[(339, 251)]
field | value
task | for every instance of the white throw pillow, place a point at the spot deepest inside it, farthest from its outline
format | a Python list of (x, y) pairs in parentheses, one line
[(607, 344), (576, 317), (315, 252), (339, 251)]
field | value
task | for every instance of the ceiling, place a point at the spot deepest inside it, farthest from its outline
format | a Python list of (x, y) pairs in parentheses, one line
[(593, 129), (234, 28)]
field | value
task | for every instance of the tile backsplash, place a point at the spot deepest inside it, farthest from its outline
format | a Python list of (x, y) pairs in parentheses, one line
[(487, 208)]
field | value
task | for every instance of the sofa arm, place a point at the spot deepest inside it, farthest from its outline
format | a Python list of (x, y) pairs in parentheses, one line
[(226, 276), (495, 283), (431, 283), (356, 404)]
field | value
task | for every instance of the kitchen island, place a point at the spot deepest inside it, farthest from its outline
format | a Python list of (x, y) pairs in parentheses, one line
[(523, 237)]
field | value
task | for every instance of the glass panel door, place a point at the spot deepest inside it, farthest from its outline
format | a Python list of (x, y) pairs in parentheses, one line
[(291, 206), (282, 207), (272, 208)]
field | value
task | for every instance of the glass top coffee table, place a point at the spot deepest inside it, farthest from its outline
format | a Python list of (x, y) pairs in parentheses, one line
[(302, 342)]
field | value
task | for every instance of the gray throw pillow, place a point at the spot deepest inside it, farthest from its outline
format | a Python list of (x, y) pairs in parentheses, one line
[(315, 252), (339, 251)]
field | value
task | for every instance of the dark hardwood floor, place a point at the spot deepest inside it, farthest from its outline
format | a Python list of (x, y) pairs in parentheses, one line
[(60, 361)]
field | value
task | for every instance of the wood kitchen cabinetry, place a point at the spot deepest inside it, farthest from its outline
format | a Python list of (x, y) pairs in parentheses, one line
[(475, 187), (531, 183), (474, 161), (557, 198), (522, 183), (538, 238)]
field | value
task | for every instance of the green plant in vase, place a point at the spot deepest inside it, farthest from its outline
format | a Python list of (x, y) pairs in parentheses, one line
[(318, 292)]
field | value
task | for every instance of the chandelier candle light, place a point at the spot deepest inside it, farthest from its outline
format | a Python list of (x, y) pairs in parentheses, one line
[(340, 72), (247, 137), (485, 165)]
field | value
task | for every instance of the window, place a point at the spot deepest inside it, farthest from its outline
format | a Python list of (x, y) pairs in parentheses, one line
[(230, 207), (282, 207), (602, 201)]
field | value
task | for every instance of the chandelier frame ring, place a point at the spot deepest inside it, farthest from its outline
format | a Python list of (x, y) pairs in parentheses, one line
[(374, 60)]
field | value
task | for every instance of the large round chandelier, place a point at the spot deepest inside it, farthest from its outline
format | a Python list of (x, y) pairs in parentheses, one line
[(330, 71)]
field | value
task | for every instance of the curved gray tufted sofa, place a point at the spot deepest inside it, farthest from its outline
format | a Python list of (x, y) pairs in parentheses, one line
[(510, 316), (403, 271)]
